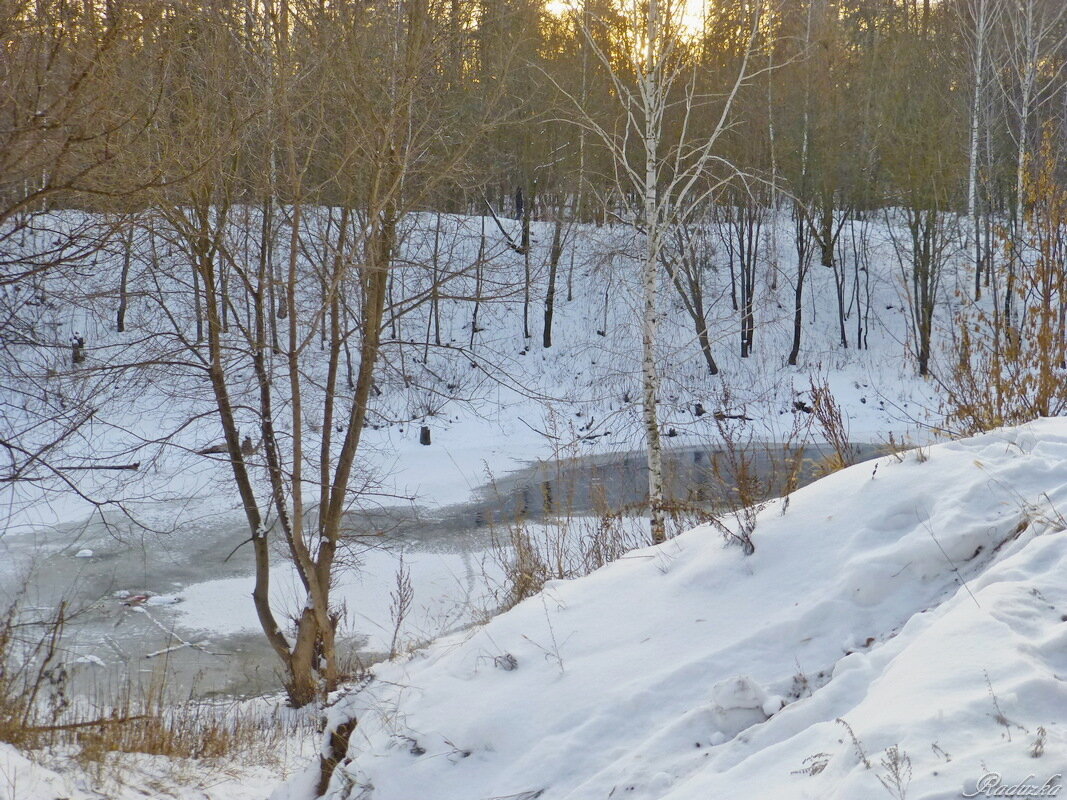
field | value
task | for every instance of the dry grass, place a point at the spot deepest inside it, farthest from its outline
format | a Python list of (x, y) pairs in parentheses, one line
[(746, 487), (38, 710), (1009, 368), (196, 730), (569, 547), (744, 474), (831, 424)]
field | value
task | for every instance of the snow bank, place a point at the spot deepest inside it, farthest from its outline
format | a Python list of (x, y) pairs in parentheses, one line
[(487, 398), (908, 613), (130, 777), (23, 779), (450, 591)]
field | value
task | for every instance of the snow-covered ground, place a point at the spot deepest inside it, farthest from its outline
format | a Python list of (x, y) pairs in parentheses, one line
[(664, 673), (450, 589), (521, 403), (45, 777), (900, 631)]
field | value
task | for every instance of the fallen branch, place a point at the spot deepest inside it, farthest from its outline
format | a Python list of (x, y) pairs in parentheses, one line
[(538, 430), (173, 647), (136, 465), (518, 248), (201, 646), (70, 726)]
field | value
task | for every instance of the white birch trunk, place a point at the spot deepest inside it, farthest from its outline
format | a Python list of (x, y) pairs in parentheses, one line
[(679, 166), (649, 278), (981, 18), (978, 75)]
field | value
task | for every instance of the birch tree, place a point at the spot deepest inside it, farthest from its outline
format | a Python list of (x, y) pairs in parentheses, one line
[(978, 21), (667, 160), (1035, 32)]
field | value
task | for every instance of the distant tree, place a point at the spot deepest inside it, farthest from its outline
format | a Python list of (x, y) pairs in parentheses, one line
[(925, 166), (689, 261), (1001, 373), (1035, 32), (70, 113), (978, 21)]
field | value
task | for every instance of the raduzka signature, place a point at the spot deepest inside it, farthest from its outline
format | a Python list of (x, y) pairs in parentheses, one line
[(992, 785)]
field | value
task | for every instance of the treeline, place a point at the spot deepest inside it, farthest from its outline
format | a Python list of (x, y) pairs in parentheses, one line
[(845, 104), (830, 109)]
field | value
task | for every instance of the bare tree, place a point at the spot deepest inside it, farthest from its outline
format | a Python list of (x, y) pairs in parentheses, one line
[(670, 172), (1035, 32), (688, 262), (978, 20), (70, 114), (362, 132)]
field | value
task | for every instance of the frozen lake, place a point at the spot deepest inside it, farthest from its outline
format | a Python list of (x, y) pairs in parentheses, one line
[(198, 628)]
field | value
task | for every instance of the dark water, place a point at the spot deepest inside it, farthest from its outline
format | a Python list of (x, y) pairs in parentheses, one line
[(700, 478)]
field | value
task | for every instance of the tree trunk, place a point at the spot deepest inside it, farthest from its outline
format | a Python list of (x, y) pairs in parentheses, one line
[(478, 282), (553, 268), (650, 380), (798, 314), (124, 277), (649, 279), (525, 246), (802, 238)]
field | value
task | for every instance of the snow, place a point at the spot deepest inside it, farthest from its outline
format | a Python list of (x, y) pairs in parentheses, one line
[(133, 777), (494, 405), (910, 614), (21, 778), (451, 590), (900, 631)]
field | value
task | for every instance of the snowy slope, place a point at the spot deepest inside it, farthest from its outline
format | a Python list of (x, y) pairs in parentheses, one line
[(917, 603), (487, 397)]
